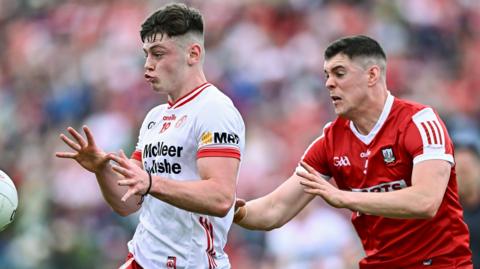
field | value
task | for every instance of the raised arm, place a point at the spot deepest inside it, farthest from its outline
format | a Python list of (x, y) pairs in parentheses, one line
[(421, 200), (213, 195), (276, 208), (95, 160)]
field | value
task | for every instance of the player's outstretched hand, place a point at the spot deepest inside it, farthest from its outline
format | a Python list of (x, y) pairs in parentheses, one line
[(240, 210), (134, 177), (315, 184), (86, 152)]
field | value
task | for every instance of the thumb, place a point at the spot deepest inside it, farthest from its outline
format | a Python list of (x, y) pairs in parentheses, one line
[(239, 203)]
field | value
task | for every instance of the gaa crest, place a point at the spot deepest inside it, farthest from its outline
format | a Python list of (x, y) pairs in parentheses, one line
[(388, 156)]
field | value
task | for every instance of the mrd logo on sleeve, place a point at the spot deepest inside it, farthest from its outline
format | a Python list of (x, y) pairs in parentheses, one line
[(219, 138)]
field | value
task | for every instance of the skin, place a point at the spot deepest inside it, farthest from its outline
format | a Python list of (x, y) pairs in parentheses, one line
[(358, 93), (173, 66)]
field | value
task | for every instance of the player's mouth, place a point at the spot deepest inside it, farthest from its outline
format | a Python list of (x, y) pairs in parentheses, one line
[(149, 78), (335, 99)]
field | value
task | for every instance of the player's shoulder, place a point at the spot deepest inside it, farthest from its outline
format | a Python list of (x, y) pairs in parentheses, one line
[(213, 95), (407, 107)]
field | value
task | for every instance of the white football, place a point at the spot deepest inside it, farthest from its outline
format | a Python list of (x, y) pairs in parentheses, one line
[(8, 200)]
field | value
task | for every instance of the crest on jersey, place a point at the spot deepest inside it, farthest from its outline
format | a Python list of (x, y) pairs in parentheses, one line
[(181, 121), (171, 262), (388, 156)]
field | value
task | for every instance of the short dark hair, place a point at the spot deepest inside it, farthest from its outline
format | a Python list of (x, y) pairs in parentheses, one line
[(173, 20), (355, 46)]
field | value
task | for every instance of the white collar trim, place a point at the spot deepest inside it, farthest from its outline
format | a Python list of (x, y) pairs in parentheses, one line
[(366, 139)]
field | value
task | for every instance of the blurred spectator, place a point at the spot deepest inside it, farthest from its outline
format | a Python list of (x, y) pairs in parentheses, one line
[(71, 62)]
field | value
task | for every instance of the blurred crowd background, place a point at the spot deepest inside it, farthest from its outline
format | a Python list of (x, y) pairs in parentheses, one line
[(74, 62)]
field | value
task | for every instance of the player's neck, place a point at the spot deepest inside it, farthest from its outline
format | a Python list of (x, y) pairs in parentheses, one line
[(365, 118), (190, 84)]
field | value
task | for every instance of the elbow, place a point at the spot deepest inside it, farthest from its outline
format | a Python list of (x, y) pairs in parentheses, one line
[(428, 210), (223, 208)]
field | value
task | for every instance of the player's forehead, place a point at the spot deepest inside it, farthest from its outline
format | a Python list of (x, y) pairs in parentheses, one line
[(158, 41), (338, 61)]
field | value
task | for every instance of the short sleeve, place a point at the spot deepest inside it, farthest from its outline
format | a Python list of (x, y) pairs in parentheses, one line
[(316, 154), (426, 138), (220, 131)]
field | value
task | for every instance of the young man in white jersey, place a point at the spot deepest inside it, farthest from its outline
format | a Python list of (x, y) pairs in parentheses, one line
[(182, 175), (392, 161)]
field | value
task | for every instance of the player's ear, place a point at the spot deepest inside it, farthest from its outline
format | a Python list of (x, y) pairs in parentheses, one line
[(194, 54), (374, 74)]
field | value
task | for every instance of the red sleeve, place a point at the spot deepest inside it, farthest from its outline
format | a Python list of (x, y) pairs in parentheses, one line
[(219, 152), (426, 137), (316, 156), (136, 155)]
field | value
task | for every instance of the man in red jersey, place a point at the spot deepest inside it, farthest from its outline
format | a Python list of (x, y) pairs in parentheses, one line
[(392, 161)]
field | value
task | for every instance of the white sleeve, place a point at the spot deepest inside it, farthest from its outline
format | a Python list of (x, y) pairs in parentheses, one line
[(220, 131)]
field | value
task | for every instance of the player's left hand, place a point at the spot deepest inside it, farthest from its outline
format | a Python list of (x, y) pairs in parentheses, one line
[(135, 178), (315, 184)]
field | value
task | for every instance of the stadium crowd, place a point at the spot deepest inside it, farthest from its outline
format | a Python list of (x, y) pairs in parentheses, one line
[(71, 62)]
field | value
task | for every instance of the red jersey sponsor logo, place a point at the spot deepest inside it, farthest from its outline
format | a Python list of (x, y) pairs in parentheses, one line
[(169, 118), (341, 161), (384, 187)]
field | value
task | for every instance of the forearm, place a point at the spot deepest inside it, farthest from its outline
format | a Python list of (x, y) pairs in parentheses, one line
[(277, 208), (112, 192), (260, 214), (408, 203), (201, 196)]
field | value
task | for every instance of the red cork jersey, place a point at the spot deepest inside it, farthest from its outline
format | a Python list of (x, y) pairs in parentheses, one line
[(382, 161)]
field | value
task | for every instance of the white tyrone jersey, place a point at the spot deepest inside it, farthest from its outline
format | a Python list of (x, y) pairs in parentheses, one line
[(204, 123)]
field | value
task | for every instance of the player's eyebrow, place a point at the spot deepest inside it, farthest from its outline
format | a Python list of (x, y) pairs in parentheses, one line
[(153, 47), (334, 68)]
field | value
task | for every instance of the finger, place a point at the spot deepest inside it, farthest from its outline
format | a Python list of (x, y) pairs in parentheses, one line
[(89, 135), (308, 168), (122, 154), (69, 155), (311, 184), (307, 176), (70, 143), (118, 159), (123, 171), (77, 137), (240, 202), (128, 194), (126, 182)]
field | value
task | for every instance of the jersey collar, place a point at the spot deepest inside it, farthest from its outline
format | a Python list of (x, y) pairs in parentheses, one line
[(366, 139), (189, 96)]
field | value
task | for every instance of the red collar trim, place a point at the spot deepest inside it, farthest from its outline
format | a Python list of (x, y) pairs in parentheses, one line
[(189, 96)]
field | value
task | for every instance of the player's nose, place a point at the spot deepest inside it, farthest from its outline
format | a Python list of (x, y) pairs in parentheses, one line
[(330, 83), (149, 65)]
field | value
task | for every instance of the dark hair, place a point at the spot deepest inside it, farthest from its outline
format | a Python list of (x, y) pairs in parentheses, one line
[(355, 46), (173, 20)]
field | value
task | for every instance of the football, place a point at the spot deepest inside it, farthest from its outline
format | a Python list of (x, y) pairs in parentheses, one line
[(8, 200)]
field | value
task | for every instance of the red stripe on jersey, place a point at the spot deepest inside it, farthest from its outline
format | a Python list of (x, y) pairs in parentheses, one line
[(207, 226), (192, 97), (137, 155), (186, 96), (438, 131), (219, 152), (428, 133), (434, 132)]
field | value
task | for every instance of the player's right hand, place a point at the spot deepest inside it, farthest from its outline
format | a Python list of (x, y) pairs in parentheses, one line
[(86, 152), (240, 210)]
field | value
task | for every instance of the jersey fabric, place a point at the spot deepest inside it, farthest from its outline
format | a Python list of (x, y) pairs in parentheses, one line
[(382, 161), (203, 123)]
